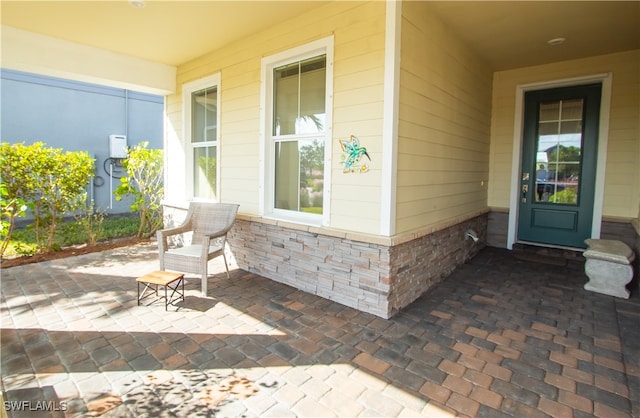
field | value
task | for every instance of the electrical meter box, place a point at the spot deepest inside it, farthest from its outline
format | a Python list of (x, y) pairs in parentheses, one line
[(117, 146)]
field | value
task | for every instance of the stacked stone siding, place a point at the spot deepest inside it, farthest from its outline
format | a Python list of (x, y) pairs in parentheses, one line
[(371, 277), (345, 271), (419, 264), (373, 274)]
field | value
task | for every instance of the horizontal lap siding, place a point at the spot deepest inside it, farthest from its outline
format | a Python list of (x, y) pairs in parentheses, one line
[(358, 30), (358, 110), (622, 176), (445, 105), (622, 181), (240, 120)]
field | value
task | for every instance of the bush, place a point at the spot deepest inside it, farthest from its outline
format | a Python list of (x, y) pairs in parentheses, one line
[(565, 196), (91, 220), (145, 182), (71, 232), (11, 210), (317, 199), (49, 181)]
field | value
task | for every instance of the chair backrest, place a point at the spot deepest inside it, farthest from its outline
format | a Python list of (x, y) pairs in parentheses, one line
[(208, 218)]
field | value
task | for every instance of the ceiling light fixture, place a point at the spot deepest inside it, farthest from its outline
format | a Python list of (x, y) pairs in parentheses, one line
[(556, 41), (138, 4)]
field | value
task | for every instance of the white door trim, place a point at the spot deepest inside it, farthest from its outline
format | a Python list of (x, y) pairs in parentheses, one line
[(603, 139)]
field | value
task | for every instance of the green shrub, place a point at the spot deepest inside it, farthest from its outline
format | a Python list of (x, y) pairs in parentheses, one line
[(91, 220), (50, 181), (11, 210), (71, 232), (145, 182), (565, 196)]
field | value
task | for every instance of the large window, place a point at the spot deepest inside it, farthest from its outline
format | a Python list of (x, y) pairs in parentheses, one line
[(202, 131), (298, 130)]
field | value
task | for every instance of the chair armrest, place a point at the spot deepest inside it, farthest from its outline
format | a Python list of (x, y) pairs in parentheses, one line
[(216, 234), (173, 231), (207, 239), (161, 235)]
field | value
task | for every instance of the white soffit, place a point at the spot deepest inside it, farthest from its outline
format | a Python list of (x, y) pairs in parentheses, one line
[(31, 52)]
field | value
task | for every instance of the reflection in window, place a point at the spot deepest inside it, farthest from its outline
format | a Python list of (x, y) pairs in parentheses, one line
[(204, 133), (204, 172), (299, 175), (298, 134), (299, 96), (559, 149)]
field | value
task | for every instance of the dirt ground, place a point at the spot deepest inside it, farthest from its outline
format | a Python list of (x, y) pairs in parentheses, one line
[(70, 252)]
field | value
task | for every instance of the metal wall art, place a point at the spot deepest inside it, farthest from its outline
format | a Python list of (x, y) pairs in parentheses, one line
[(351, 155)]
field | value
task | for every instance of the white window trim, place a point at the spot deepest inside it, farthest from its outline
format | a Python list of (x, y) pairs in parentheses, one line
[(187, 90), (266, 203)]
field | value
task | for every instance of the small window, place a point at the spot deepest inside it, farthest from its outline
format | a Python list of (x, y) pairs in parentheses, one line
[(202, 117)]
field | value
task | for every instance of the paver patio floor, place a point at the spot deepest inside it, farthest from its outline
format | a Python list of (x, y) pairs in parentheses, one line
[(499, 337)]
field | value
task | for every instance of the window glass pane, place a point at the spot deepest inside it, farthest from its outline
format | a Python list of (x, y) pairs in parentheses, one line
[(204, 172), (204, 107), (548, 128), (571, 127), (285, 99), (559, 150), (549, 112), (312, 97), (299, 97), (572, 109), (299, 175)]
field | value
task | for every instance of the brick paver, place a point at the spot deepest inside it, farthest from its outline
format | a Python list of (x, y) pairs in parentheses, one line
[(499, 337)]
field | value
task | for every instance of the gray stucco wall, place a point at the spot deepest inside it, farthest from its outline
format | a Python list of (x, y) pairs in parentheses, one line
[(78, 116)]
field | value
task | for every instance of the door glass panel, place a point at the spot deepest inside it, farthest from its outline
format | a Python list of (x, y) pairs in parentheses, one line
[(559, 150)]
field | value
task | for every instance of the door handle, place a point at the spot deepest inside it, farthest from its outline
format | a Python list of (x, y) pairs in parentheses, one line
[(525, 189)]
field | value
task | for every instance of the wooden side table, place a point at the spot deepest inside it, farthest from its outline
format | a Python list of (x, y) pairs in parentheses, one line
[(162, 278)]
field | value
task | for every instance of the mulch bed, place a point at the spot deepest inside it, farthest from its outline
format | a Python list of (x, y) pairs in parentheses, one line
[(71, 251)]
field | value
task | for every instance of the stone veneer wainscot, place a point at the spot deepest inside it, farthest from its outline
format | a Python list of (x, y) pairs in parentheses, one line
[(370, 273)]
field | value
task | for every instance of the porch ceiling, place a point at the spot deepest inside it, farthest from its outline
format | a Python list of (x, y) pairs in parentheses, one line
[(514, 34), (507, 34), (167, 32)]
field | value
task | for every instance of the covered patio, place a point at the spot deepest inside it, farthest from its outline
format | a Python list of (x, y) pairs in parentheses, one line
[(434, 93), (499, 337), (436, 96)]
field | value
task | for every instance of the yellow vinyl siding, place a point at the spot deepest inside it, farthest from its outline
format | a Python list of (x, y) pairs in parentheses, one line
[(358, 110), (622, 176), (444, 119), (358, 30)]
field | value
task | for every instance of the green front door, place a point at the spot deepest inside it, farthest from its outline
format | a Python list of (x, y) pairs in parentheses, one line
[(559, 153)]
